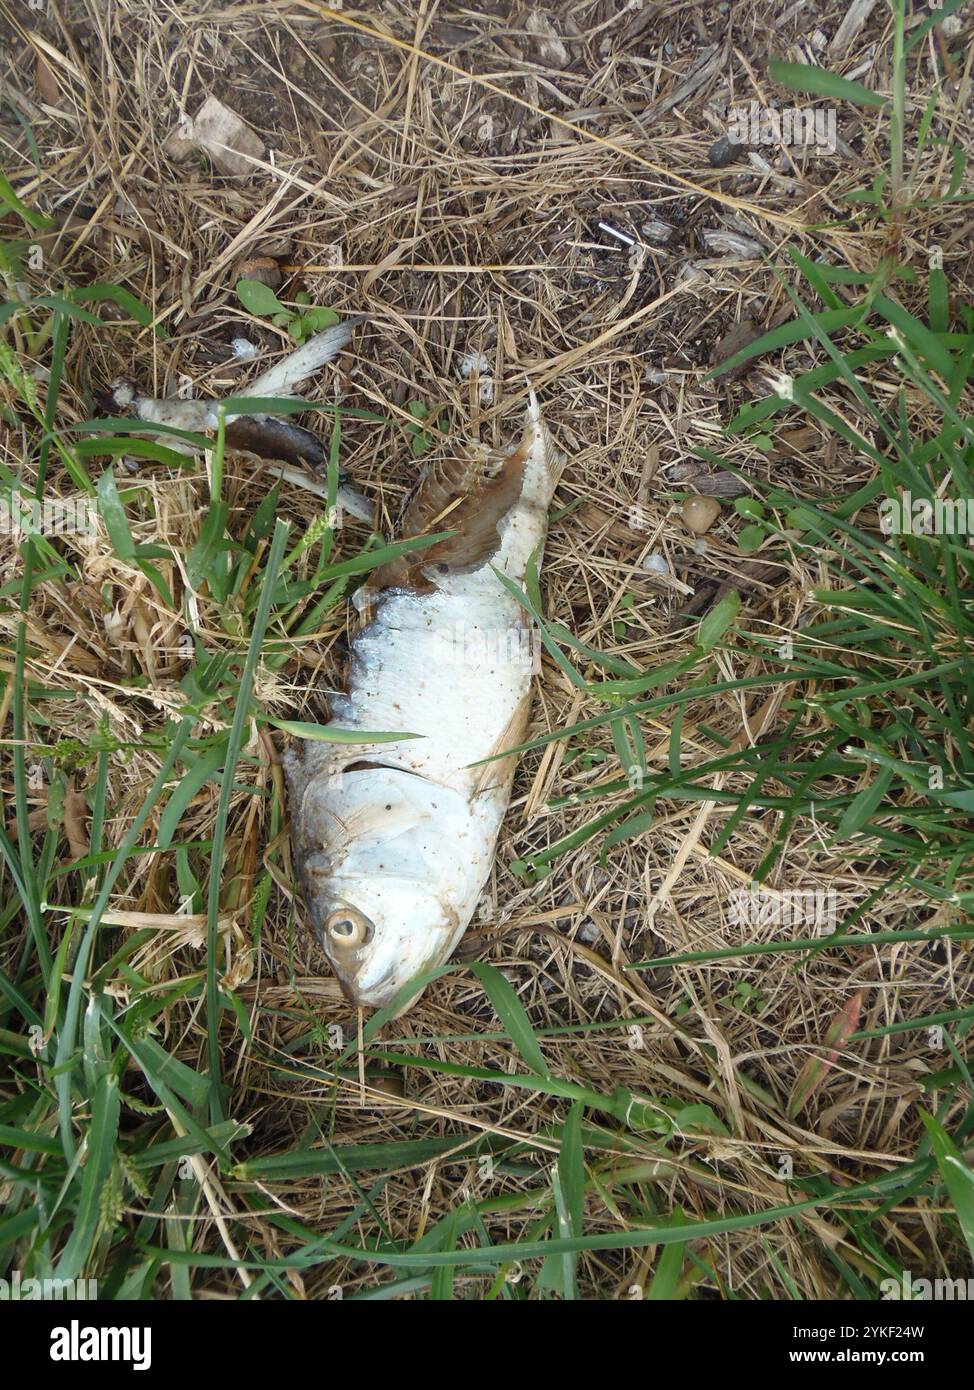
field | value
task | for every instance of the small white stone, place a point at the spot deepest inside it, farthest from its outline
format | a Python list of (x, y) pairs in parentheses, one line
[(476, 364), (732, 244)]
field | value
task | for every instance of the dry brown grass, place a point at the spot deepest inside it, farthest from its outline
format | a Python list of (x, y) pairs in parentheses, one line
[(403, 184)]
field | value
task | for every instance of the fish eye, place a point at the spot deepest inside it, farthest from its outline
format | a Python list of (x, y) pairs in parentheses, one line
[(348, 929)]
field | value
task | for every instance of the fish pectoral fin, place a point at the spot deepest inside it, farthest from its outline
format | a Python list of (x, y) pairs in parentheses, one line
[(379, 821), (476, 519)]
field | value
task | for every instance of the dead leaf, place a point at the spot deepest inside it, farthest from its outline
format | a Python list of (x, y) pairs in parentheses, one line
[(48, 87), (75, 815), (36, 820), (739, 336), (816, 1069), (796, 441)]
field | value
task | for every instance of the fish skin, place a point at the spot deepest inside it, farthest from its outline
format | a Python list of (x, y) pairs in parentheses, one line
[(401, 835)]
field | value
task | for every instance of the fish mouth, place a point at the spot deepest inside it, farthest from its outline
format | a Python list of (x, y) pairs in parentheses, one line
[(365, 998), (378, 991), (387, 988)]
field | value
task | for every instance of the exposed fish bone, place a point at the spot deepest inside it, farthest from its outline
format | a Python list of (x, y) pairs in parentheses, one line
[(264, 434)]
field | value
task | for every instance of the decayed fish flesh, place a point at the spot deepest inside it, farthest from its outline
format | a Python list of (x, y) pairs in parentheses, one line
[(393, 842)]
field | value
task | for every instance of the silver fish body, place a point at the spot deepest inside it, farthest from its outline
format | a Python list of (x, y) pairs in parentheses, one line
[(393, 842)]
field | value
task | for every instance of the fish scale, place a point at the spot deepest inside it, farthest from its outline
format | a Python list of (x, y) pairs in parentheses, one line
[(421, 648)]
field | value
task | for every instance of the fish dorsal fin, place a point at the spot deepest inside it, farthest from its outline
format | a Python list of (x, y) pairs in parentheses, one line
[(468, 496)]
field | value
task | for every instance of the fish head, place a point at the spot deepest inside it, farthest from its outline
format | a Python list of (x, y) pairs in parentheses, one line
[(381, 932), (386, 893)]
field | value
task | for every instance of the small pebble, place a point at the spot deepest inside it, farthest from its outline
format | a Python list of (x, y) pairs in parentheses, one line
[(264, 269), (700, 513), (724, 151)]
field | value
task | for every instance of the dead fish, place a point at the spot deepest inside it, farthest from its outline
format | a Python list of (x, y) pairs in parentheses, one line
[(266, 435), (393, 842)]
